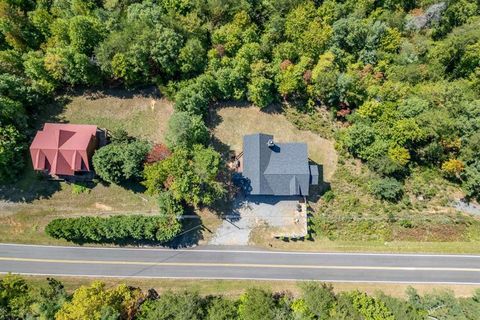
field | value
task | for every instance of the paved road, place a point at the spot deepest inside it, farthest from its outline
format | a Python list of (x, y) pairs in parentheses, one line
[(238, 263)]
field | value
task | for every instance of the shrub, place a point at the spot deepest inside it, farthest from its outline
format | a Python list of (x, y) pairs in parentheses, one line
[(453, 168), (79, 188), (328, 196), (387, 189), (118, 162), (406, 223), (115, 229)]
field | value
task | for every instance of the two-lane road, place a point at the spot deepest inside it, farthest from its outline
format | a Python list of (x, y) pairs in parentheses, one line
[(239, 263)]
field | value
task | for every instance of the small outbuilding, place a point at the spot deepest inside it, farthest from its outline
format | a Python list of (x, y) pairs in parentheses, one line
[(64, 149), (280, 169)]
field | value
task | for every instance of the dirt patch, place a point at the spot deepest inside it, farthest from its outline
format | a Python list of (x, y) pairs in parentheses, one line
[(235, 122), (102, 206)]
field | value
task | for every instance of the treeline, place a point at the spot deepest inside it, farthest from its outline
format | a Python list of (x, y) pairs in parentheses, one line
[(22, 299), (403, 74), (116, 229)]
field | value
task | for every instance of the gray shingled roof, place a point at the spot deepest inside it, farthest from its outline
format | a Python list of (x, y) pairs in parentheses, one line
[(279, 170)]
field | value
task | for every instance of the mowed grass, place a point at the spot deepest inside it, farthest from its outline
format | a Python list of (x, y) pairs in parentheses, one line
[(236, 121), (141, 116), (234, 288)]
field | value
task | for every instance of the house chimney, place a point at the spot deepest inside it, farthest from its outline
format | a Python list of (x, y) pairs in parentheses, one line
[(270, 143)]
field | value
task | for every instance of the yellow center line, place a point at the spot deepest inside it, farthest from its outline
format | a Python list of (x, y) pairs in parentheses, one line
[(238, 265)]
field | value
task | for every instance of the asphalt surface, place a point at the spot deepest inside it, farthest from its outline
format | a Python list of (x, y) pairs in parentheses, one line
[(238, 263)]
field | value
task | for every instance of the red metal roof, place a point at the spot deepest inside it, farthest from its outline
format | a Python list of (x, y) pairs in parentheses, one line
[(63, 149)]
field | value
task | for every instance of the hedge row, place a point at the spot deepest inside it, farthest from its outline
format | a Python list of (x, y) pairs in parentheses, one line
[(115, 229)]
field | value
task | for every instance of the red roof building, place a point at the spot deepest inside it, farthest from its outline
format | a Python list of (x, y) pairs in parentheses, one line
[(63, 149)]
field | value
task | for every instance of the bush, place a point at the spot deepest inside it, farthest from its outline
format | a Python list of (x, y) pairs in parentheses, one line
[(328, 196), (387, 189), (406, 223), (118, 162), (79, 188), (115, 229)]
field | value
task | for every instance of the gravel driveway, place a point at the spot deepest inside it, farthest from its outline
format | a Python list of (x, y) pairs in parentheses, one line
[(251, 211)]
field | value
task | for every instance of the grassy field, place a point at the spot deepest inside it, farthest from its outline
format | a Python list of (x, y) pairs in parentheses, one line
[(142, 116), (234, 288)]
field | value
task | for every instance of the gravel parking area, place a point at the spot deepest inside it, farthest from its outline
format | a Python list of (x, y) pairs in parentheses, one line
[(253, 211)]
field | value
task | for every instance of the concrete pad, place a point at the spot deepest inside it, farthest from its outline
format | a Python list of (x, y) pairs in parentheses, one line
[(251, 211)]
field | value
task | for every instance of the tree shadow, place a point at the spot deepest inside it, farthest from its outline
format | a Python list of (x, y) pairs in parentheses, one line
[(192, 231), (121, 92), (30, 186)]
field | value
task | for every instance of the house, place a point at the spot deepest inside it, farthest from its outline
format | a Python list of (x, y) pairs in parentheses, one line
[(280, 169), (64, 149)]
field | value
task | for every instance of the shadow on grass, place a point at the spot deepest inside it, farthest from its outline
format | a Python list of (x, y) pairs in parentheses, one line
[(29, 187)]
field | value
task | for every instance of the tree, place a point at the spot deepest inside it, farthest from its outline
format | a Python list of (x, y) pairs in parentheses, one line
[(453, 168), (256, 304), (184, 130), (190, 176), (165, 50), (97, 302), (168, 205), (324, 78), (118, 162), (318, 299), (370, 308), (84, 33), (14, 298), (173, 306), (12, 147), (260, 92), (67, 65), (290, 78), (358, 138), (159, 152), (471, 180), (195, 97), (387, 189), (192, 57)]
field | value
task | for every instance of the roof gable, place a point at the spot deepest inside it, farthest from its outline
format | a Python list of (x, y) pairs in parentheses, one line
[(280, 169), (62, 149)]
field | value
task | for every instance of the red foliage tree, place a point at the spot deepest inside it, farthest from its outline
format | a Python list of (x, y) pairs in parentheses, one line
[(285, 64), (158, 153)]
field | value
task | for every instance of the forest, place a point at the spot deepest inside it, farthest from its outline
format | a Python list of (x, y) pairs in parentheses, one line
[(402, 76), (22, 298)]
